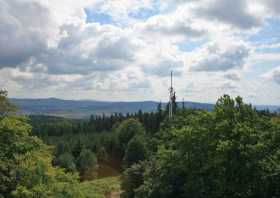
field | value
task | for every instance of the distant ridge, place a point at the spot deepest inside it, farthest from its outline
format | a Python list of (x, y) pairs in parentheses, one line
[(84, 108)]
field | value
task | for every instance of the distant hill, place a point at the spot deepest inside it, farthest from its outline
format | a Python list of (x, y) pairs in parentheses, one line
[(84, 108), (272, 108)]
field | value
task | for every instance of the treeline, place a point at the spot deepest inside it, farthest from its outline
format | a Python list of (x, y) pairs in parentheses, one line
[(232, 151), (56, 126), (26, 169), (82, 151), (80, 144), (150, 120)]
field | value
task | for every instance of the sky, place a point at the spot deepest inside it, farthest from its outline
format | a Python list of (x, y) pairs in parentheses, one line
[(124, 50)]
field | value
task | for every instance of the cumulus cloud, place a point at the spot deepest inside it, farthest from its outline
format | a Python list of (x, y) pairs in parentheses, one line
[(152, 60), (124, 81), (51, 45), (163, 68), (118, 81), (221, 58), (36, 80), (273, 75), (173, 26), (90, 48), (22, 35), (235, 76), (69, 48), (228, 86), (272, 5), (233, 12)]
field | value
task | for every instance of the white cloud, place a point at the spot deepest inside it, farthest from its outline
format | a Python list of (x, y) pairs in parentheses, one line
[(228, 86), (90, 47), (177, 25), (272, 6), (22, 35), (273, 75), (233, 12), (234, 76), (221, 57), (49, 45)]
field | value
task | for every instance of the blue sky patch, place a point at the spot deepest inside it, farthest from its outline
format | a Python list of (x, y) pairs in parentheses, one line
[(144, 13), (156, 9), (98, 17), (261, 68), (189, 45), (269, 33), (268, 50)]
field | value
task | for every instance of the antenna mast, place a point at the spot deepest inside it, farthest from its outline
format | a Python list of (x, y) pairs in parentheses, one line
[(171, 96)]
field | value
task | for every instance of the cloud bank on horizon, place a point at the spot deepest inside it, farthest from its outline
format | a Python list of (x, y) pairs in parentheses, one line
[(125, 50)]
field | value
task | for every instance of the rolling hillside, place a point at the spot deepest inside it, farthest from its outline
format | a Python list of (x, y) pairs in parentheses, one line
[(84, 108)]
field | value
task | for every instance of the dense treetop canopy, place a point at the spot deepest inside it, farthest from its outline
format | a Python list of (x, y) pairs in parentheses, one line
[(231, 152), (26, 168)]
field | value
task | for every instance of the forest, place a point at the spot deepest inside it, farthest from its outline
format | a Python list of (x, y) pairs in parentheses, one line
[(231, 151)]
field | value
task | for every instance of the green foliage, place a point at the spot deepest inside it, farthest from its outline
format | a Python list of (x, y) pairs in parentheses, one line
[(26, 169), (150, 120), (102, 145), (67, 161), (132, 180), (231, 152), (44, 126), (87, 164), (99, 188), (136, 151), (127, 130), (106, 136), (5, 106)]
